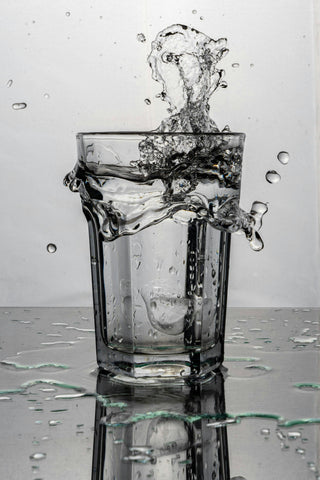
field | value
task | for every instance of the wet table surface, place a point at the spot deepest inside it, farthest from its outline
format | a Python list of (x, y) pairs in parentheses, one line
[(59, 417)]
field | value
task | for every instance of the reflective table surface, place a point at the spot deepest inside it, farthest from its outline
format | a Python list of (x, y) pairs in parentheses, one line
[(257, 419)]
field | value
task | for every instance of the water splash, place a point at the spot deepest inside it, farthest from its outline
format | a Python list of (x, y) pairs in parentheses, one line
[(184, 62)]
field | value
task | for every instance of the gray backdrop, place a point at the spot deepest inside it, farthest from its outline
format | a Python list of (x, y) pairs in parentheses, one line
[(86, 71)]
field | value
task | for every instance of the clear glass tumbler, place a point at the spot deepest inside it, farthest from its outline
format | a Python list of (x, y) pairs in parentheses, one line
[(160, 209)]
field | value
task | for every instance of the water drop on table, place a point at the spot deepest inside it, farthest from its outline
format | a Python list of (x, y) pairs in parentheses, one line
[(38, 456), (283, 157), (51, 248), (272, 176), (19, 106)]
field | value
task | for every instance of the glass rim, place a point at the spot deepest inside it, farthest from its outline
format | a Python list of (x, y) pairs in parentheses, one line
[(152, 132)]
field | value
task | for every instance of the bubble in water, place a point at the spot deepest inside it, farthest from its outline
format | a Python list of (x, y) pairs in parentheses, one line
[(19, 106), (68, 14), (38, 456), (46, 96), (283, 157), (147, 101), (9, 83), (235, 65), (272, 176), (51, 248), (194, 12), (141, 37)]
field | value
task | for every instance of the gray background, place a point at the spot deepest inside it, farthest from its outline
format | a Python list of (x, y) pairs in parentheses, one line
[(96, 75)]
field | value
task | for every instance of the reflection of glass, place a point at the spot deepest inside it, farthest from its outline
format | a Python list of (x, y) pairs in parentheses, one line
[(160, 434), (160, 209)]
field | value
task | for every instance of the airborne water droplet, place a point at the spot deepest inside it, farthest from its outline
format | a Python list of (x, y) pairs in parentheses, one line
[(68, 14), (194, 12), (141, 37), (19, 106), (223, 84), (147, 101), (265, 431), (272, 176), (235, 65), (51, 248), (283, 157), (9, 83), (46, 96)]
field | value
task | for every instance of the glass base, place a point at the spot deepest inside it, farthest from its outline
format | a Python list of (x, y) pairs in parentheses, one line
[(159, 369)]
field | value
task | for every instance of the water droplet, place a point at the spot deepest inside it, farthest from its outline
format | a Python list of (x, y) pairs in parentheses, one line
[(38, 456), (235, 65), (223, 84), (53, 423), (173, 271), (19, 106), (194, 12), (251, 65), (283, 157), (272, 176), (201, 18), (293, 435), (9, 83), (300, 451), (51, 248), (46, 96), (265, 431), (147, 101), (68, 14), (141, 37)]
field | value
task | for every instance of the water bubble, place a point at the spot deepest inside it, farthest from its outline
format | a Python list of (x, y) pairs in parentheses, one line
[(19, 106), (68, 14), (235, 65), (38, 456), (9, 83), (272, 176), (141, 37), (46, 96), (51, 248), (194, 12), (283, 157), (147, 101)]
